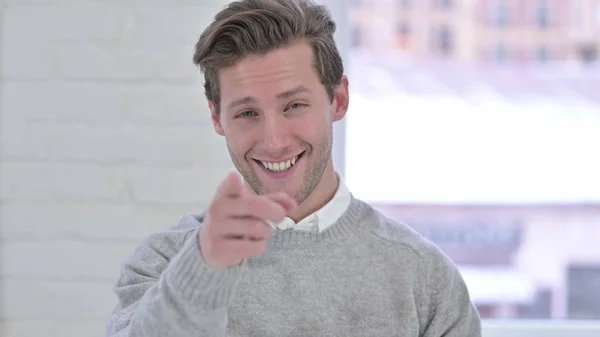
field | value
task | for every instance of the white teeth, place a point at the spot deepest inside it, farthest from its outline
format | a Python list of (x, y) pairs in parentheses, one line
[(280, 166)]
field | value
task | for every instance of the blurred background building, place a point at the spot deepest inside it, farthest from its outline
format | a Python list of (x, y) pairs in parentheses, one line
[(520, 32), (489, 114)]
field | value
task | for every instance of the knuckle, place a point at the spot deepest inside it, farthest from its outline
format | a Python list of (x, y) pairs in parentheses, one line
[(216, 206), (258, 226), (239, 252), (268, 233), (256, 204), (264, 229), (219, 247), (269, 209), (204, 237), (260, 248), (263, 204), (277, 211), (207, 232)]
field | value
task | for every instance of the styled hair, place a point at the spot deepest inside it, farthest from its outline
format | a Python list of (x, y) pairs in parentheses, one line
[(255, 27)]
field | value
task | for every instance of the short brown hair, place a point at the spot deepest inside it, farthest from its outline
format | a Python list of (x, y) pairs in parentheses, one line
[(249, 27)]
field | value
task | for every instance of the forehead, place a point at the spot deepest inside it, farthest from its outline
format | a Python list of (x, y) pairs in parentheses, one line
[(270, 73)]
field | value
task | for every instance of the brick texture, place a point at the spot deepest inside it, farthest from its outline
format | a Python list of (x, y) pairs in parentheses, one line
[(104, 138)]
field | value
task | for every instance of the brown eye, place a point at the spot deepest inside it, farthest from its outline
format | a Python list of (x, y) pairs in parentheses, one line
[(248, 113), (296, 106)]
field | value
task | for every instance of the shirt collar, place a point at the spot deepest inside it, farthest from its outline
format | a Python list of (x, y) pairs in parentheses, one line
[(324, 217)]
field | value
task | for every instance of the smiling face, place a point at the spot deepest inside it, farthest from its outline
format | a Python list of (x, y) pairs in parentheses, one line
[(277, 119)]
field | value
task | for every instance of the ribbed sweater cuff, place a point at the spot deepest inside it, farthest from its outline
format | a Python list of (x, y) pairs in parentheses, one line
[(197, 282)]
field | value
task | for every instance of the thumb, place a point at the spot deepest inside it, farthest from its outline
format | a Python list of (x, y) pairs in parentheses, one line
[(288, 203), (232, 186)]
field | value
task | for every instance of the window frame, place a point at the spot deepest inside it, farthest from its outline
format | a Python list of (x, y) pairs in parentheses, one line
[(343, 37), (491, 327), (540, 328)]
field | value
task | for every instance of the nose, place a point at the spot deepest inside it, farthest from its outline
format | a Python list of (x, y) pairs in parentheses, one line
[(275, 134)]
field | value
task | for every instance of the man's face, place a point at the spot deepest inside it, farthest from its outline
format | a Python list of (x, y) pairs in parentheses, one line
[(277, 120)]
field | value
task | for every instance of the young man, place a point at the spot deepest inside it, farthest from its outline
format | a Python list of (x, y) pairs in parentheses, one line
[(287, 251)]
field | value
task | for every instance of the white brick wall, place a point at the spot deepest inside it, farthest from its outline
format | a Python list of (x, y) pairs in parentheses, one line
[(104, 138)]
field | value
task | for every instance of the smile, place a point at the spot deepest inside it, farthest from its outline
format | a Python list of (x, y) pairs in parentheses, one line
[(280, 166)]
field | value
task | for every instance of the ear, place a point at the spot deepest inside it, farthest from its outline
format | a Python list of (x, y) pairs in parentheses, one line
[(341, 99), (216, 119)]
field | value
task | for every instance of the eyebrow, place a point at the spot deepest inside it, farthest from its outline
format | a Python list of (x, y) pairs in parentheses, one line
[(281, 95), (292, 92)]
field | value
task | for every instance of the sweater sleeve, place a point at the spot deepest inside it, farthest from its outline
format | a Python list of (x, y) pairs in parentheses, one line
[(166, 289), (451, 312)]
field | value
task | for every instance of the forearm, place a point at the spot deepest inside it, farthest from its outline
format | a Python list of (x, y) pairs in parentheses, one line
[(189, 299), (163, 313)]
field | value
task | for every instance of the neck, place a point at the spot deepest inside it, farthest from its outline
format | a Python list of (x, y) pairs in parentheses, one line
[(320, 196)]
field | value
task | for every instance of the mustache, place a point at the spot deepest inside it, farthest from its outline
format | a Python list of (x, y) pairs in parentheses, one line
[(286, 152)]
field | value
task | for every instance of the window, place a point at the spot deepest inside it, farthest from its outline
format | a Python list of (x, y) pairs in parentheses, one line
[(500, 54), (404, 36), (405, 3), (542, 54), (500, 13), (543, 14), (442, 40), (582, 281), (356, 37), (577, 12), (474, 163), (588, 54), (403, 29), (443, 4)]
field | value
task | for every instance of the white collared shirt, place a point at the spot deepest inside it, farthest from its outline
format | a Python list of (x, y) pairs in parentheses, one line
[(324, 217)]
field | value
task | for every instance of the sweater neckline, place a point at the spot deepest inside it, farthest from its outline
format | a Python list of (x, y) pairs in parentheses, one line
[(345, 227)]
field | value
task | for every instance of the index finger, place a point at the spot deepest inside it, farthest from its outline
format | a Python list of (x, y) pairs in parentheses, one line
[(257, 207), (232, 186)]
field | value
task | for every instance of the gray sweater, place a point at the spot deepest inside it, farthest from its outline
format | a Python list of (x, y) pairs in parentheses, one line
[(366, 275)]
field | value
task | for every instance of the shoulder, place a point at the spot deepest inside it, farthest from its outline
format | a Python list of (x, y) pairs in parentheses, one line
[(176, 235), (166, 243), (440, 290), (398, 233), (429, 261), (143, 268)]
